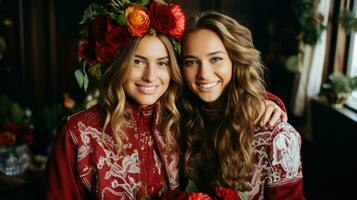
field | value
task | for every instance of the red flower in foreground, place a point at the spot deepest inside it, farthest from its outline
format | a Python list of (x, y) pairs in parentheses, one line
[(169, 20), (199, 196), (226, 193)]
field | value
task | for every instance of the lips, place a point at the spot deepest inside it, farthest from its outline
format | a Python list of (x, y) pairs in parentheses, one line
[(147, 89), (208, 86)]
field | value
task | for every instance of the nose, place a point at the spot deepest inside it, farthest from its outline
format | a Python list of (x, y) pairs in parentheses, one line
[(204, 70), (149, 74)]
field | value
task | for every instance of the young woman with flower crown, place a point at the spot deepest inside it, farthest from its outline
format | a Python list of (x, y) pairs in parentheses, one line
[(124, 148), (221, 146)]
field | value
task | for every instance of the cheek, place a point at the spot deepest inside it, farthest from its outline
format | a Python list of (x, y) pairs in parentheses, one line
[(189, 75), (165, 76)]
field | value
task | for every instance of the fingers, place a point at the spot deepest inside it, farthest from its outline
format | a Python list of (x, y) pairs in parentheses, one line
[(269, 109), (276, 115)]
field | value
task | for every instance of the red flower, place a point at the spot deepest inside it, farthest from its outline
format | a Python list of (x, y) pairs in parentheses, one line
[(117, 38), (199, 196), (105, 54), (7, 138), (86, 51), (169, 20), (101, 25), (226, 193)]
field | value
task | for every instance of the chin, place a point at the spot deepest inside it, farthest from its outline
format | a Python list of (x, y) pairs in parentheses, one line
[(208, 99)]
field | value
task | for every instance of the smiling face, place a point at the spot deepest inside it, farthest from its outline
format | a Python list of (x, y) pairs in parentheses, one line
[(149, 74), (207, 67)]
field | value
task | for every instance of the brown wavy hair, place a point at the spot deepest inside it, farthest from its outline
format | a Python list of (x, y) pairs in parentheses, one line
[(224, 155), (114, 101)]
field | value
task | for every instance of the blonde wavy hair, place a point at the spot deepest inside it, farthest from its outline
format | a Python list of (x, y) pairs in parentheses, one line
[(114, 101), (224, 156)]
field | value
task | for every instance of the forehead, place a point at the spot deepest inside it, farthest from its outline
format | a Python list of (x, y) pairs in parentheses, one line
[(151, 46), (202, 41)]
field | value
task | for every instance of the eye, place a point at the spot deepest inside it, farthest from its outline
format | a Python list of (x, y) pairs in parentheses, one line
[(163, 63), (190, 62), (216, 59), (139, 62)]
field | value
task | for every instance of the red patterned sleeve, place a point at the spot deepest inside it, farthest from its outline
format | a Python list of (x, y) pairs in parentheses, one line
[(60, 180), (284, 180), (269, 96)]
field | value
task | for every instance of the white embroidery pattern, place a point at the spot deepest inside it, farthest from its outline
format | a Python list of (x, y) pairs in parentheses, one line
[(129, 163), (286, 152), (278, 158)]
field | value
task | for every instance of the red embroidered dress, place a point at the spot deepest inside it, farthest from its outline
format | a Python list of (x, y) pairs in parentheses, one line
[(84, 163), (278, 171)]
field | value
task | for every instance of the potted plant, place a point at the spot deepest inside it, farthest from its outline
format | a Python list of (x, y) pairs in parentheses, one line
[(339, 89)]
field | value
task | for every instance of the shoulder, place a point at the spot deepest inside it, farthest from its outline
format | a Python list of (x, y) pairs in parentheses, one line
[(278, 132), (281, 148), (90, 116), (74, 125)]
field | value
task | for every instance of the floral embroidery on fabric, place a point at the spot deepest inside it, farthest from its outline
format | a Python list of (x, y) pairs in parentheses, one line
[(286, 152), (277, 150), (118, 167)]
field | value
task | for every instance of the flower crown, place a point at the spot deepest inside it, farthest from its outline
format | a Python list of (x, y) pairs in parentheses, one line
[(112, 27)]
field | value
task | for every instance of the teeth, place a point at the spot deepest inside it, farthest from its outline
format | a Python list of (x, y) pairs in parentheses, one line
[(145, 89), (208, 85)]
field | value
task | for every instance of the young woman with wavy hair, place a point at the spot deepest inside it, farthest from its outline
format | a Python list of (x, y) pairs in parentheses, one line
[(222, 144), (124, 147)]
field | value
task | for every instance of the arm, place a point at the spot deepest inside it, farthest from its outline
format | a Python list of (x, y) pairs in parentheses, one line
[(285, 173), (60, 181)]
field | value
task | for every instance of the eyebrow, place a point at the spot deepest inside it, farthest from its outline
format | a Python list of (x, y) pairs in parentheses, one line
[(144, 58), (216, 52), (209, 54)]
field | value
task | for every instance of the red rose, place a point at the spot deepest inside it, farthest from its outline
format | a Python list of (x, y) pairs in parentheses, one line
[(7, 138), (101, 25), (168, 19), (86, 51), (105, 54), (226, 193), (199, 196), (178, 29), (117, 38)]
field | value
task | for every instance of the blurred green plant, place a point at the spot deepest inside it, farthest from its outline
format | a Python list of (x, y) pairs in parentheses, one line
[(341, 83), (349, 20), (309, 19)]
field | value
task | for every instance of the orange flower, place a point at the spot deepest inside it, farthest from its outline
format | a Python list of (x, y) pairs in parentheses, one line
[(68, 101), (138, 20)]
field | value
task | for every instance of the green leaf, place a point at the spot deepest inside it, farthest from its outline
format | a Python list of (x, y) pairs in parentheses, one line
[(5, 105), (17, 113), (79, 75), (191, 187), (152, 31), (177, 46), (141, 2), (292, 63), (85, 82), (92, 11), (118, 17), (242, 195)]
